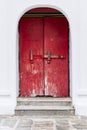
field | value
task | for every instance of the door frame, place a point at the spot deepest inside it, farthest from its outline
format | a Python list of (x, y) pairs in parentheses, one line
[(69, 55)]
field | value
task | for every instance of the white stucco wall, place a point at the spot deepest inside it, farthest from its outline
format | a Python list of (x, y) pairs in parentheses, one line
[(10, 13)]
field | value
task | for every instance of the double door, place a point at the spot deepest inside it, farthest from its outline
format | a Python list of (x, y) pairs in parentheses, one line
[(43, 58)]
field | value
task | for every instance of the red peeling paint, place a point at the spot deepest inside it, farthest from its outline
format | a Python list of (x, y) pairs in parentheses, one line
[(39, 75)]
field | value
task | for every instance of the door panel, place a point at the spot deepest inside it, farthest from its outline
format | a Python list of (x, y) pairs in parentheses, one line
[(56, 70), (31, 45)]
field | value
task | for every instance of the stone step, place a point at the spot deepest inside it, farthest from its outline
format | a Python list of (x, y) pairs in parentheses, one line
[(24, 110), (44, 106), (44, 101)]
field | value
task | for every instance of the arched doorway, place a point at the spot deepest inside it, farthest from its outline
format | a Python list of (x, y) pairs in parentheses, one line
[(44, 53)]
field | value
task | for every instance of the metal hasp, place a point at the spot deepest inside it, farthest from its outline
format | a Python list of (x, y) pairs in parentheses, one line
[(49, 57), (31, 55)]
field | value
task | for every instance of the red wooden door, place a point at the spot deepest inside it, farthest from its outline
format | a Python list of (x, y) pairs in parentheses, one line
[(44, 56), (56, 44), (31, 43)]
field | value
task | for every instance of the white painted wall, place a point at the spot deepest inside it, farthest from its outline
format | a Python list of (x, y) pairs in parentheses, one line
[(10, 13)]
